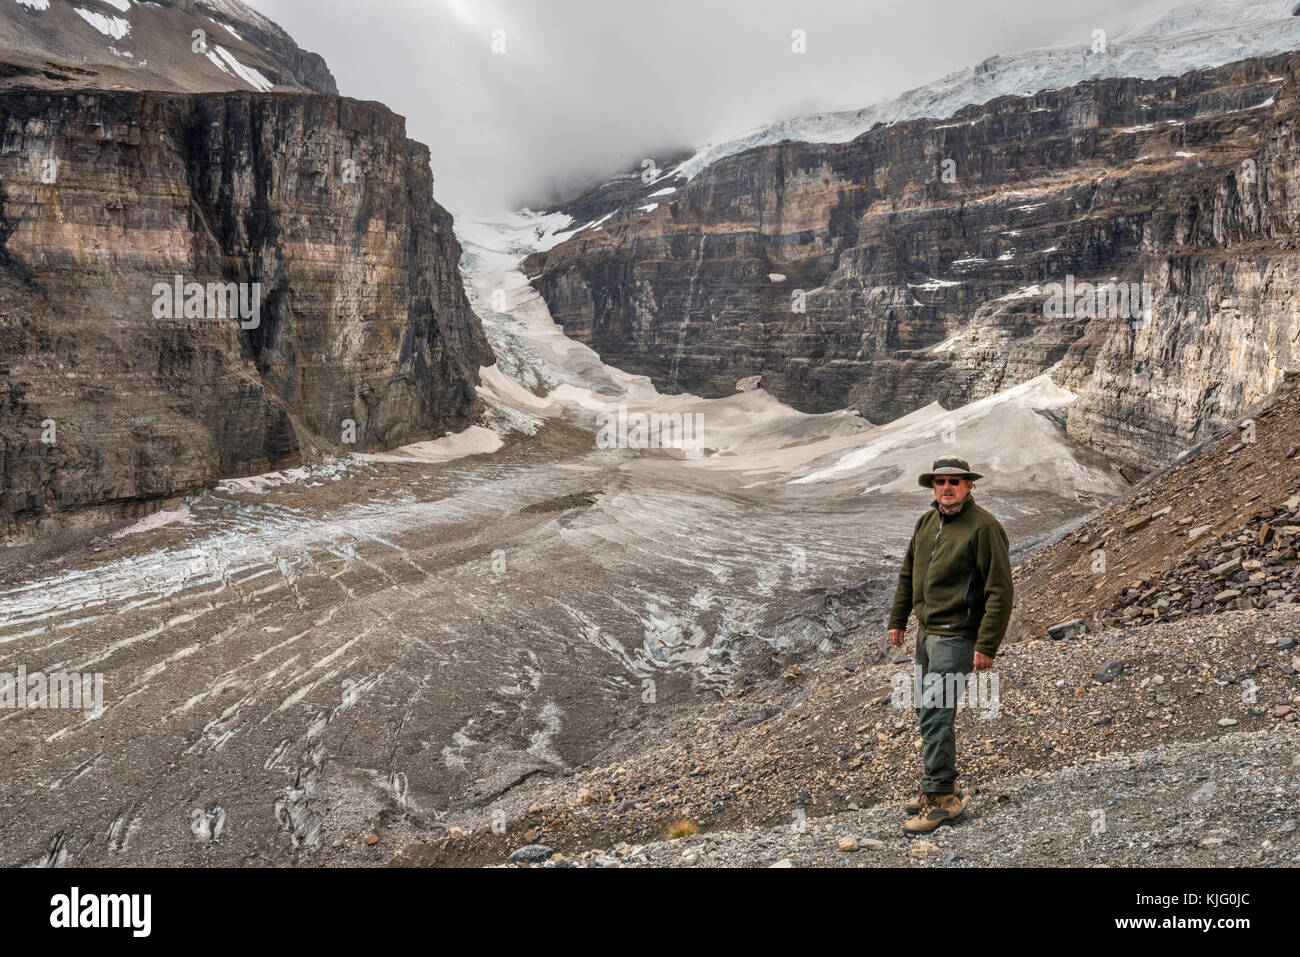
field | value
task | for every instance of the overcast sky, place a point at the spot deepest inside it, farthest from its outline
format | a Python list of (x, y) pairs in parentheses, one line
[(586, 87)]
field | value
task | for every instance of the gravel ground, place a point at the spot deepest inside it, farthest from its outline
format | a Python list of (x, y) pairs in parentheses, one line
[(824, 738), (1228, 802)]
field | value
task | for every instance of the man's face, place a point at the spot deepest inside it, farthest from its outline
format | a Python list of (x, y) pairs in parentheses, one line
[(949, 490)]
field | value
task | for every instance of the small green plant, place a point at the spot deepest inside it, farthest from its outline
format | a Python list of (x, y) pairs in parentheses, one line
[(682, 827)]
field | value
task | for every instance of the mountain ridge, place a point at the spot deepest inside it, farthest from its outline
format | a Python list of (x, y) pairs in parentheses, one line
[(863, 275), (190, 46), (1190, 37)]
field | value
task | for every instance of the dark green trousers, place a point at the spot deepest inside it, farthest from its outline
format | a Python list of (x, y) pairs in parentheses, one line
[(941, 655)]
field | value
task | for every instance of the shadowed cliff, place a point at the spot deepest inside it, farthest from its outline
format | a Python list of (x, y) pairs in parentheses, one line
[(364, 337)]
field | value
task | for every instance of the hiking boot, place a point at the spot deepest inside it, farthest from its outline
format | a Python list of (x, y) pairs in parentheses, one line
[(939, 809), (914, 806)]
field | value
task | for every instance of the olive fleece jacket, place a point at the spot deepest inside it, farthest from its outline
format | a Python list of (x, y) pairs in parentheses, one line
[(956, 576)]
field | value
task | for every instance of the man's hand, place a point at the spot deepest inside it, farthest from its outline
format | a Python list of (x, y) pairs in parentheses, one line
[(982, 661), (895, 636)]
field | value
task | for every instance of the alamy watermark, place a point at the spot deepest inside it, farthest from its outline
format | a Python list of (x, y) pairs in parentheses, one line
[(1085, 300), (58, 689), (216, 300), (977, 690), (128, 911), (651, 430)]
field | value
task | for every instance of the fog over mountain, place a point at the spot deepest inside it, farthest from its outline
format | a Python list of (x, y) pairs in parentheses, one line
[(585, 86)]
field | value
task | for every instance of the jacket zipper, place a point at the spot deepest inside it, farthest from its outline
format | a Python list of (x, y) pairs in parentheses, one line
[(930, 564)]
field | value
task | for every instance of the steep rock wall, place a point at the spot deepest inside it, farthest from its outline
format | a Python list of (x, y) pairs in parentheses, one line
[(322, 201), (920, 286)]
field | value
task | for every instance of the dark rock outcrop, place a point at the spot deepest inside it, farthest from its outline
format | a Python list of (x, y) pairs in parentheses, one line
[(106, 408)]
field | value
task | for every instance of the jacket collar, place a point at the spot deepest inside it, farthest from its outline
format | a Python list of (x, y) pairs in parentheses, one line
[(965, 504)]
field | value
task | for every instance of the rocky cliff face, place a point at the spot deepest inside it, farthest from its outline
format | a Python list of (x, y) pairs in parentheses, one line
[(1221, 257), (912, 263), (112, 396)]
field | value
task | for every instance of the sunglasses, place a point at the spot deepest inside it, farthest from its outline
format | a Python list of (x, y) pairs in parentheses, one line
[(947, 481)]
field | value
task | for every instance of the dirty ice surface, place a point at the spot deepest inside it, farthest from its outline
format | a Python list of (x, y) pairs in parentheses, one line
[(292, 659)]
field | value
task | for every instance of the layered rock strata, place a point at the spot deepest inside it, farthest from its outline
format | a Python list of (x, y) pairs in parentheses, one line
[(916, 262), (113, 397)]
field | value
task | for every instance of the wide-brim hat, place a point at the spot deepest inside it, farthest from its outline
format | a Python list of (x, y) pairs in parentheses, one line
[(952, 466)]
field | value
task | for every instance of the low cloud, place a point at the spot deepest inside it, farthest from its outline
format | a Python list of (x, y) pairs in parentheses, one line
[(586, 87)]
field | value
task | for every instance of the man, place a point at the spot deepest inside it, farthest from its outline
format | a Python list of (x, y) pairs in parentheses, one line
[(956, 576)]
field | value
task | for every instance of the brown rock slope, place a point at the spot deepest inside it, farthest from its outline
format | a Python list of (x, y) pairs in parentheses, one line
[(1219, 529)]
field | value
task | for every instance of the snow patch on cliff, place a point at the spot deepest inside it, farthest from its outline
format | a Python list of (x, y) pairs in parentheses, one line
[(252, 77), (1039, 458), (179, 516), (114, 27), (476, 440)]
